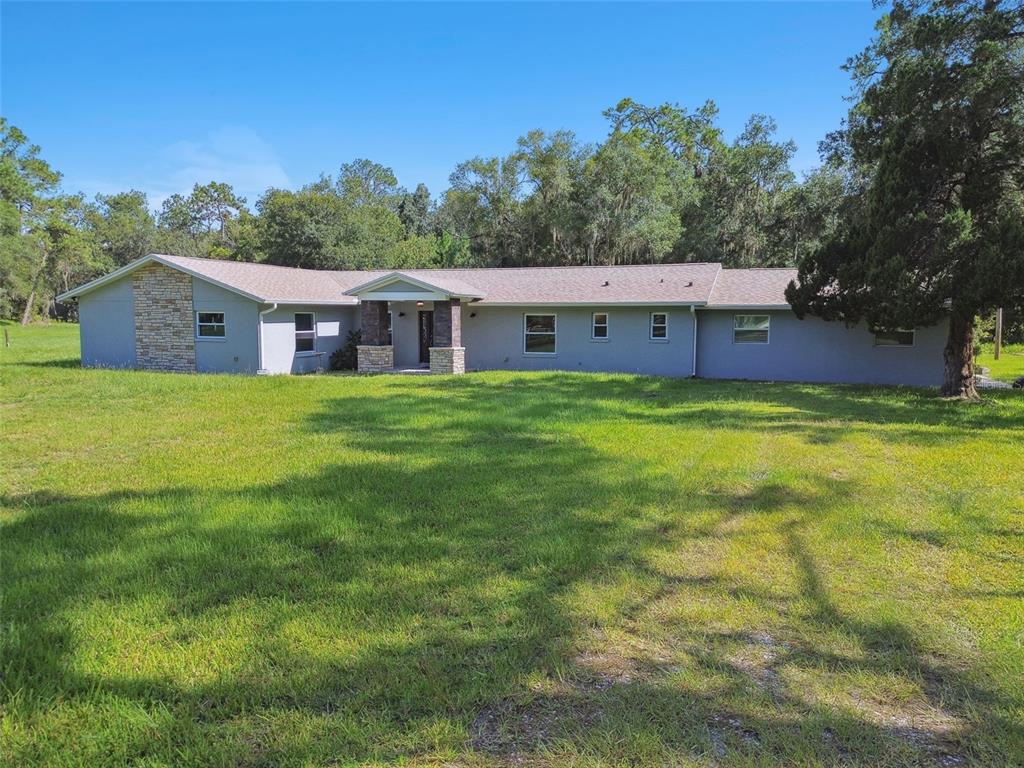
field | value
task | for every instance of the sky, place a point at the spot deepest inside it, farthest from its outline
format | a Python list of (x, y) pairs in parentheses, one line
[(158, 97)]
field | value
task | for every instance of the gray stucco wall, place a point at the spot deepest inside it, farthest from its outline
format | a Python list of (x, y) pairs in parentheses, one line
[(815, 350), (494, 340), (237, 352), (107, 326), (332, 326)]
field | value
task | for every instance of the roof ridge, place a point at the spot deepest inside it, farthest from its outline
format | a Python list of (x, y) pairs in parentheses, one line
[(553, 266), (758, 269)]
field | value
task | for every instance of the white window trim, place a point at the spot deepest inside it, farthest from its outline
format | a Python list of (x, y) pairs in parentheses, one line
[(223, 324), (911, 331), (748, 314), (541, 333), (607, 326), (295, 337), (650, 328)]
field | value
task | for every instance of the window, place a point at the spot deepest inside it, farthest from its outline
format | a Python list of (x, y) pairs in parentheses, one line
[(659, 325), (901, 337), (305, 332), (209, 325), (599, 327), (390, 321), (539, 334), (751, 329)]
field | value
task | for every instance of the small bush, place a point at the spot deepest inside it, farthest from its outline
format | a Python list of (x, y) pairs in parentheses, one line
[(346, 357)]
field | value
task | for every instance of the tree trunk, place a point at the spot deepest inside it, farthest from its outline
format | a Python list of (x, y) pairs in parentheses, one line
[(959, 357), (26, 316)]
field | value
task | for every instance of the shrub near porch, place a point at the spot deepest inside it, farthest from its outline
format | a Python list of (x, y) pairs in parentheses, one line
[(542, 568)]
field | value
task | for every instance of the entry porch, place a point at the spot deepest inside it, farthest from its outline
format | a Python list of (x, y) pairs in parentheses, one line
[(408, 324)]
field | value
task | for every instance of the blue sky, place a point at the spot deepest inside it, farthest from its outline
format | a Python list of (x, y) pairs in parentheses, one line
[(157, 97)]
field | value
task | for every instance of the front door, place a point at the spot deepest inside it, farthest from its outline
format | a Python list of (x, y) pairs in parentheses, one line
[(426, 335)]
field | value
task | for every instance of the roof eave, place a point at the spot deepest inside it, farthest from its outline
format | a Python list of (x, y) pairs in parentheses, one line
[(606, 303), (311, 303), (127, 269), (775, 307)]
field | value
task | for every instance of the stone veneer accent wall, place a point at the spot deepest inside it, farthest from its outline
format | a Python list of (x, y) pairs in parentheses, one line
[(374, 359), (447, 360), (164, 333)]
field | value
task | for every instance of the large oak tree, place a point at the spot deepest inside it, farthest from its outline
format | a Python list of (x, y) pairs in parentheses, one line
[(934, 147)]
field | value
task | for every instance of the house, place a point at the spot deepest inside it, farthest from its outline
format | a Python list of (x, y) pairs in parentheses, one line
[(183, 314)]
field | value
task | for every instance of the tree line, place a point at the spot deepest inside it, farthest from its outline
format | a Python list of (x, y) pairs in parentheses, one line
[(664, 186)]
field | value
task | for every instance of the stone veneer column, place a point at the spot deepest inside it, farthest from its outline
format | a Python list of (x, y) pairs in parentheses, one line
[(374, 355), (447, 360), (375, 359), (448, 323), (164, 324), (448, 356)]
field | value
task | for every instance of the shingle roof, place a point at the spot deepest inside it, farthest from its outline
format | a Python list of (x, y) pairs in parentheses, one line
[(751, 287), (269, 283), (636, 284), (688, 283)]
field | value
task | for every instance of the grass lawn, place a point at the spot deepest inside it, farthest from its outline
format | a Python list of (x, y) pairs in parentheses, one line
[(503, 568), (1009, 366)]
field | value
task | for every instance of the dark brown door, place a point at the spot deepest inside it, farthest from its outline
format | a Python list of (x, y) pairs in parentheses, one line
[(426, 335)]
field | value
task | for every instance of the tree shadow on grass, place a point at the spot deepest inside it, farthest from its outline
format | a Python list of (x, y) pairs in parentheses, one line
[(69, 362), (822, 414), (417, 599)]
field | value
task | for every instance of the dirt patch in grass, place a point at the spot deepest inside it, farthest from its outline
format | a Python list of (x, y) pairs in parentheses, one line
[(758, 660), (515, 731), (724, 729), (918, 723)]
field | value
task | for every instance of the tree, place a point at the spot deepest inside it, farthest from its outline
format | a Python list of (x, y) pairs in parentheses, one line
[(454, 251), (483, 204), (122, 226), (364, 182), (745, 199), (300, 229), (201, 221), (627, 204), (42, 241), (552, 167), (416, 211), (690, 137), (317, 228), (936, 139)]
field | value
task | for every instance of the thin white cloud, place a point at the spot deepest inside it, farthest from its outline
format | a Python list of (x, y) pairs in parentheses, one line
[(236, 155)]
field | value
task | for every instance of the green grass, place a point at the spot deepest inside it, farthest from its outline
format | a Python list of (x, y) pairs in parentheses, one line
[(503, 568), (1009, 366)]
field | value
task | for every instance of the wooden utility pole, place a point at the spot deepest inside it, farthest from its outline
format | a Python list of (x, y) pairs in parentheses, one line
[(999, 332)]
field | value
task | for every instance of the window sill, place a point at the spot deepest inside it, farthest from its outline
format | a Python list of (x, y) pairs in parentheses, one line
[(658, 341), (215, 339), (599, 341), (540, 354), (307, 354)]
